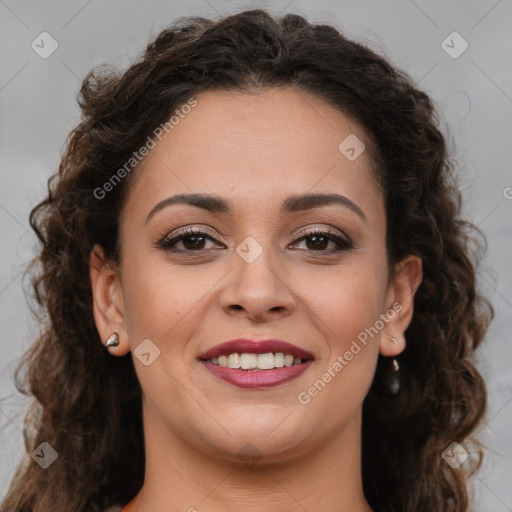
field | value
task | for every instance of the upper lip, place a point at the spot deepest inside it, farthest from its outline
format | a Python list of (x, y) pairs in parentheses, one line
[(244, 345)]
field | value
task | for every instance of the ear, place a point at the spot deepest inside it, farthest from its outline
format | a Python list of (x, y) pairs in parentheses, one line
[(400, 300), (107, 300)]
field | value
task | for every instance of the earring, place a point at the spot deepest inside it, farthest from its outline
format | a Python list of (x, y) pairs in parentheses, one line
[(113, 340), (393, 380)]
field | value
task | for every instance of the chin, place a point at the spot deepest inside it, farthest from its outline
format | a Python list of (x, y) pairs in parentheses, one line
[(263, 441)]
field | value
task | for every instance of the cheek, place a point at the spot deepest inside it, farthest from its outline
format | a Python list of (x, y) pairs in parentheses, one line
[(150, 298), (162, 302), (345, 301), (345, 316)]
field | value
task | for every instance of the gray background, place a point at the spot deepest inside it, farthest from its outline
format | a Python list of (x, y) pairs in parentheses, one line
[(474, 91)]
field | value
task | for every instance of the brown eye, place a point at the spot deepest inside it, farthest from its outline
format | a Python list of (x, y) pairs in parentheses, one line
[(318, 241), (190, 239)]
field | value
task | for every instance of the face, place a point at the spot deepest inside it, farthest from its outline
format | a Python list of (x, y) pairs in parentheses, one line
[(264, 264)]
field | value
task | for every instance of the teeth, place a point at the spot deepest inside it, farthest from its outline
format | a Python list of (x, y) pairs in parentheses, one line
[(265, 361), (249, 361), (288, 360), (234, 361), (278, 360)]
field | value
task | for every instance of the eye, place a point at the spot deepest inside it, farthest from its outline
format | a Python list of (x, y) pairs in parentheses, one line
[(191, 240), (317, 240)]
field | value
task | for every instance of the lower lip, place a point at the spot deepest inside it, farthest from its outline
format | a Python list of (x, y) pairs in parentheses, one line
[(257, 379)]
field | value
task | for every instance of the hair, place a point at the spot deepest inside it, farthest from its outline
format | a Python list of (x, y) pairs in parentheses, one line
[(87, 404)]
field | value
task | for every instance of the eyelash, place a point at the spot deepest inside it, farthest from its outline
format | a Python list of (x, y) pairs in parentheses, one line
[(344, 244)]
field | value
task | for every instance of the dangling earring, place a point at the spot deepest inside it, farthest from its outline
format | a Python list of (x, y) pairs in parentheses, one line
[(394, 382), (113, 340)]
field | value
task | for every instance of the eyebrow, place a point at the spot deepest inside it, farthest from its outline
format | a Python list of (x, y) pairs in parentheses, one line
[(295, 203)]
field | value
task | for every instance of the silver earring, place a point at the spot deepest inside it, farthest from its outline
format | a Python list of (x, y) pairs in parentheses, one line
[(113, 340), (393, 339), (396, 366)]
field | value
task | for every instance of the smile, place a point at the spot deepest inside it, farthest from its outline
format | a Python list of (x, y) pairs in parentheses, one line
[(256, 364)]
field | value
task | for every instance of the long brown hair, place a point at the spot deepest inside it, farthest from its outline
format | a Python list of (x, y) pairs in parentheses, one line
[(87, 404)]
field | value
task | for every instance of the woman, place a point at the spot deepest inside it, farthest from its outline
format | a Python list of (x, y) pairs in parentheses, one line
[(260, 293)]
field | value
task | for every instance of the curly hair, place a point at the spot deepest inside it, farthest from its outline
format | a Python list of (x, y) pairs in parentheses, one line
[(83, 398)]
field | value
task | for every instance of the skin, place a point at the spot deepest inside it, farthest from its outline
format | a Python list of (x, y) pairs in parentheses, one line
[(254, 150)]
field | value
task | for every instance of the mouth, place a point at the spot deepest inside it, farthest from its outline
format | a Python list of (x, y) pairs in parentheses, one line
[(256, 364)]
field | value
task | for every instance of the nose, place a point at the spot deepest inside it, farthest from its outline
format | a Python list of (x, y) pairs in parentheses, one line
[(257, 290)]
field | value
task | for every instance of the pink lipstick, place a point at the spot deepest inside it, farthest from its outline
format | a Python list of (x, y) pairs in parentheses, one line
[(256, 364)]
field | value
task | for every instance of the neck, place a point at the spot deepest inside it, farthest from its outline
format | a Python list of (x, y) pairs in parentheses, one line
[(179, 477)]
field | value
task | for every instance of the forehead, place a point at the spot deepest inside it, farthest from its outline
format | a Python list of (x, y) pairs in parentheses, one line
[(257, 147)]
